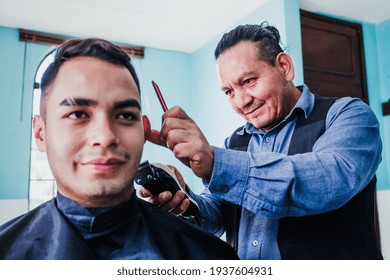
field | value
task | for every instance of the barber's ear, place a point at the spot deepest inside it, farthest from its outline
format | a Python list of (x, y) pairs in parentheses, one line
[(284, 61), (39, 133), (147, 127)]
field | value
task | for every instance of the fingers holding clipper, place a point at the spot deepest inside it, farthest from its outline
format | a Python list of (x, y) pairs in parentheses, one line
[(178, 204), (159, 200)]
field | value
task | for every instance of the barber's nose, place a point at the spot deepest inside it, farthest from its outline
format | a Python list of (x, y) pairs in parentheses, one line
[(101, 133), (241, 99)]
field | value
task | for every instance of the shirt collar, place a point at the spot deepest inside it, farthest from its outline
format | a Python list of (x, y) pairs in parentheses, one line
[(305, 104), (91, 222)]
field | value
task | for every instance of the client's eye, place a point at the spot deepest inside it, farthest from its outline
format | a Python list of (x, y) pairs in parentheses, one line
[(129, 116), (78, 115)]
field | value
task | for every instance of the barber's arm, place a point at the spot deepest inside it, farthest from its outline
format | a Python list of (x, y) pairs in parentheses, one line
[(180, 134), (343, 161)]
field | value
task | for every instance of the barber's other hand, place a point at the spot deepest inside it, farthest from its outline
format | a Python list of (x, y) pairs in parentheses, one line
[(177, 205), (181, 134)]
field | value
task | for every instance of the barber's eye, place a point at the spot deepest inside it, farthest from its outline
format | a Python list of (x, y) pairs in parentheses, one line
[(228, 92), (248, 81), (78, 115)]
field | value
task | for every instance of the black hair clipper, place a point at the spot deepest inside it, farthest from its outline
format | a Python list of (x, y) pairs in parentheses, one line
[(158, 178)]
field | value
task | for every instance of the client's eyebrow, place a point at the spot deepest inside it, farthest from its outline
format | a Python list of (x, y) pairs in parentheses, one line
[(75, 101), (127, 103)]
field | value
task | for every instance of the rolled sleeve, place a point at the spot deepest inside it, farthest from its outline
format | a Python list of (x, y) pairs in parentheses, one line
[(230, 175)]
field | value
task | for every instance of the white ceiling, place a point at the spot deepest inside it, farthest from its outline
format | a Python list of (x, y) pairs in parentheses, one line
[(180, 25)]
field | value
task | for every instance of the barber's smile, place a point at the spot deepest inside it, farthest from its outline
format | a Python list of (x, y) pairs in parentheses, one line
[(105, 165), (252, 109)]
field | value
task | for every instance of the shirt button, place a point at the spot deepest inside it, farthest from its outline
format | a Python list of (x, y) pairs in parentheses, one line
[(255, 243), (224, 189), (267, 139)]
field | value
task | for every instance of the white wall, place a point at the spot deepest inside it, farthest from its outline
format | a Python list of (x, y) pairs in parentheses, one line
[(11, 208), (383, 197)]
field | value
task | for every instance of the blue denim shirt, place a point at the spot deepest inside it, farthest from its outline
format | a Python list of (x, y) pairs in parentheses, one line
[(269, 184)]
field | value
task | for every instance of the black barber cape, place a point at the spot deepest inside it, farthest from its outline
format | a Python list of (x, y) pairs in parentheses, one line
[(134, 230)]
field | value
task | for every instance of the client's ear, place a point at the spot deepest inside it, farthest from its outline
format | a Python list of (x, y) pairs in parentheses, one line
[(39, 133), (147, 127)]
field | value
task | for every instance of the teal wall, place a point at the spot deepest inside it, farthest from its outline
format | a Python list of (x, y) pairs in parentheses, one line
[(188, 80), (383, 43), (376, 73), (18, 63)]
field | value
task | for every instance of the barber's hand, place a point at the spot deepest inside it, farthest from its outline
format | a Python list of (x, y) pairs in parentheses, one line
[(181, 134), (177, 204)]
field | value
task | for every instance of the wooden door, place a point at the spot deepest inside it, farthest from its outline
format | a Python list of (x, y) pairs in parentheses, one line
[(333, 57)]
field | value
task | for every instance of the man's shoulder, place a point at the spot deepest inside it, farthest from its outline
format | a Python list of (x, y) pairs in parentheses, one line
[(351, 108), (25, 219), (343, 101), (185, 240), (18, 234), (42, 233)]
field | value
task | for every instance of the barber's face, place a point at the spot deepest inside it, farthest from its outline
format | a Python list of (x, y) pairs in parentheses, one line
[(93, 133), (261, 93)]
